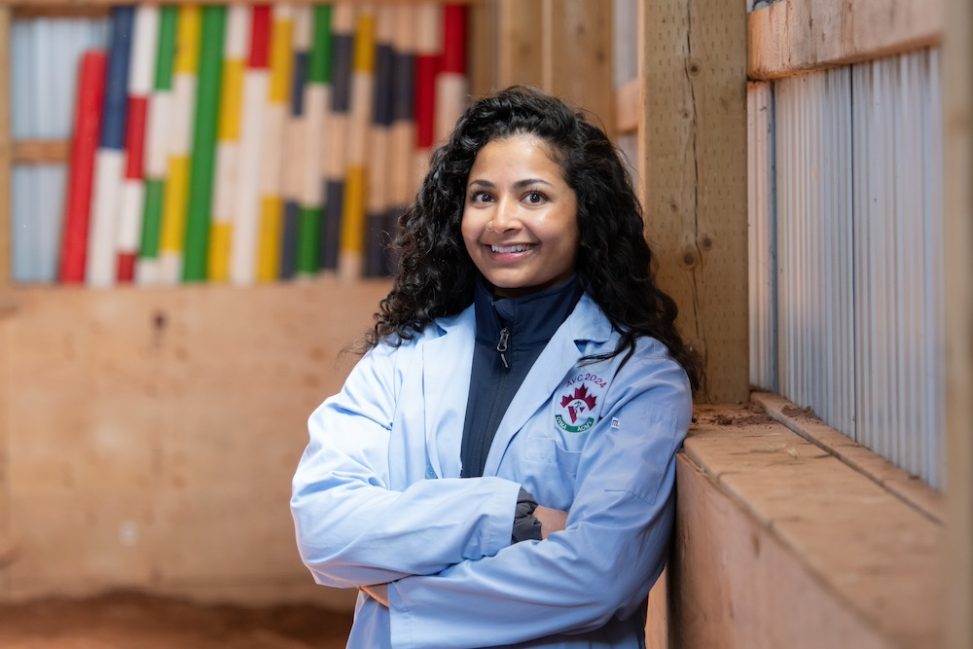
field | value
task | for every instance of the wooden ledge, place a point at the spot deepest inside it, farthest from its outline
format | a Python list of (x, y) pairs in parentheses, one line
[(904, 485), (795, 36), (780, 543)]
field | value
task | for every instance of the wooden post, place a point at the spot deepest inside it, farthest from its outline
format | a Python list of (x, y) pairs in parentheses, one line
[(576, 64), (958, 215), (519, 51), (483, 26), (693, 155)]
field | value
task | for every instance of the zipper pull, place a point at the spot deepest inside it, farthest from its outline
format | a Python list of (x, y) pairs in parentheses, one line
[(502, 346)]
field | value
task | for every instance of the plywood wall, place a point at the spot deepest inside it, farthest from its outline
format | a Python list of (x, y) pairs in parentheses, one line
[(151, 434)]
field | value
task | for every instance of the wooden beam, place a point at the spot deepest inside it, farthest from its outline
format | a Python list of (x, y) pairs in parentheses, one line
[(577, 56), (794, 36), (780, 545), (958, 212), (5, 149), (693, 158), (519, 50), (41, 151), (483, 50)]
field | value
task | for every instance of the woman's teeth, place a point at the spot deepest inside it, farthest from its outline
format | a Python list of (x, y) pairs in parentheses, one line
[(514, 248)]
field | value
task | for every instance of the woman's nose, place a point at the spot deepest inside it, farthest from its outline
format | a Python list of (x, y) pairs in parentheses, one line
[(504, 216)]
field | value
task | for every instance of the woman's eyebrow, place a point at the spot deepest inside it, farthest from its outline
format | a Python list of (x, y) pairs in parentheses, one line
[(520, 184)]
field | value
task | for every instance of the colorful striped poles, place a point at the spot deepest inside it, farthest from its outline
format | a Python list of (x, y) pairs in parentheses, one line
[(317, 98), (362, 88), (377, 202), (110, 159), (228, 145), (243, 253), (148, 269), (84, 144), (133, 189), (296, 142), (203, 161), (401, 177), (428, 48), (180, 143), (451, 85), (337, 124), (275, 116)]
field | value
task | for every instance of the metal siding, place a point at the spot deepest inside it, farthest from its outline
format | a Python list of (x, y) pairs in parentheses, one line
[(859, 293), (762, 269)]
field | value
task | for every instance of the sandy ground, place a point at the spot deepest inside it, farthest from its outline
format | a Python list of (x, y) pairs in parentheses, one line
[(137, 621)]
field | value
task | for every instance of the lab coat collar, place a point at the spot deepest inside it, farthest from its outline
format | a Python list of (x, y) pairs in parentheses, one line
[(446, 380)]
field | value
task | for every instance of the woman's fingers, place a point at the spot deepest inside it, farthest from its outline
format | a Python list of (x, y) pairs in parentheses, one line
[(552, 520)]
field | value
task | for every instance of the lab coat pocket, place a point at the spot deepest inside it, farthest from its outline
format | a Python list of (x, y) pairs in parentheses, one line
[(548, 450)]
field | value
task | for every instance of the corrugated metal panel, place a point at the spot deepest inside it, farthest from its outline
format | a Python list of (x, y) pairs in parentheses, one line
[(858, 244), (898, 253), (763, 263), (814, 238)]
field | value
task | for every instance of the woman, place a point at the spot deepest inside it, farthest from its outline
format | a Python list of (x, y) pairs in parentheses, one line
[(498, 468)]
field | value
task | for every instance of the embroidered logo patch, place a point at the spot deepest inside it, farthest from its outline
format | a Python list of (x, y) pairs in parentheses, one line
[(575, 412)]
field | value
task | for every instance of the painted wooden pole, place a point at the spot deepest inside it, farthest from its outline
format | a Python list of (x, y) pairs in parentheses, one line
[(176, 197), (148, 268), (377, 201), (228, 142), (337, 124), (296, 141), (110, 159), (317, 98), (360, 115), (275, 116), (84, 144), (203, 162), (243, 253), (133, 189)]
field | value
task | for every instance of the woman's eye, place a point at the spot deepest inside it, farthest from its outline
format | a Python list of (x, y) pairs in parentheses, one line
[(479, 197), (535, 198)]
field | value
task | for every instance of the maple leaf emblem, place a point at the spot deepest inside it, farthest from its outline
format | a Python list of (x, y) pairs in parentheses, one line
[(578, 402)]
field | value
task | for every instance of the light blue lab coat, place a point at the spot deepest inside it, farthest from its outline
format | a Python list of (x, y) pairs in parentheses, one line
[(377, 496)]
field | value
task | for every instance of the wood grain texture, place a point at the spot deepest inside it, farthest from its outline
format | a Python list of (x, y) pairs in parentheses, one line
[(576, 60), (958, 213), (794, 36), (692, 149), (484, 25), (782, 545), (908, 487), (158, 430), (520, 43)]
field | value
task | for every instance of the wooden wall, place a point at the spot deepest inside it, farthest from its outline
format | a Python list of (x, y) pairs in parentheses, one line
[(149, 435)]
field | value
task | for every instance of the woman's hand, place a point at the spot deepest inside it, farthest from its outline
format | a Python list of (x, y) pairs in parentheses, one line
[(378, 592), (551, 520)]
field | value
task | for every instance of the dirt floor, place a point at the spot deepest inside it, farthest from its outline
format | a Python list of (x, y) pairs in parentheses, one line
[(136, 621)]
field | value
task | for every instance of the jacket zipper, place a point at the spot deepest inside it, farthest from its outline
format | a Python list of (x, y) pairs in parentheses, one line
[(502, 347)]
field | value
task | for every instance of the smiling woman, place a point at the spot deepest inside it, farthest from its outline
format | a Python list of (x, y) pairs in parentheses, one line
[(520, 223), (498, 468)]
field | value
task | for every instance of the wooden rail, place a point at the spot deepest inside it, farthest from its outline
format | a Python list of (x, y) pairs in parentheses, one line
[(795, 36)]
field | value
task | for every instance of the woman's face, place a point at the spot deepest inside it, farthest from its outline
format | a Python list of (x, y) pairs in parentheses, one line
[(520, 220)]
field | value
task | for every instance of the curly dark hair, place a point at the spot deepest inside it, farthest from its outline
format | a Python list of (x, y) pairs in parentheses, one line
[(435, 275)]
